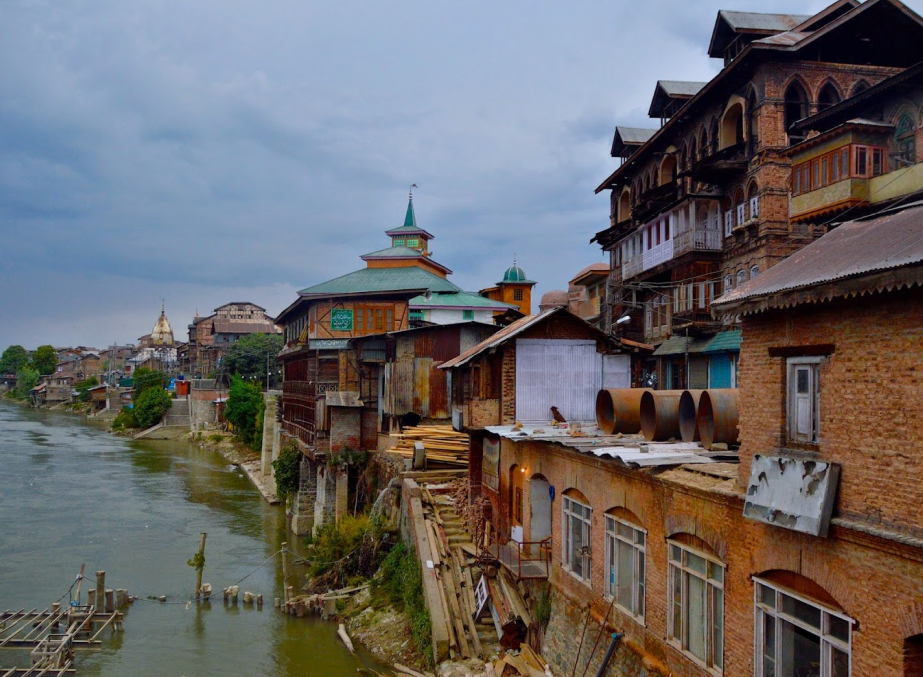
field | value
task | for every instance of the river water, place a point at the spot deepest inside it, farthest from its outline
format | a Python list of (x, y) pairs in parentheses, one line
[(71, 493)]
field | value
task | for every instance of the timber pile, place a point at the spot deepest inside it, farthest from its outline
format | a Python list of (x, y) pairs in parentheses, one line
[(459, 569), (445, 447)]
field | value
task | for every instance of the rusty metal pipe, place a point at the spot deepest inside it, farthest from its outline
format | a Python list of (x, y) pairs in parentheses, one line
[(660, 414), (717, 416), (618, 410), (688, 406)]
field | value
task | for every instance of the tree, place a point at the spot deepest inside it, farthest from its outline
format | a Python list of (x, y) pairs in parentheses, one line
[(150, 407), (251, 354), (13, 359), (145, 378), (26, 379), (84, 388), (245, 410), (45, 360)]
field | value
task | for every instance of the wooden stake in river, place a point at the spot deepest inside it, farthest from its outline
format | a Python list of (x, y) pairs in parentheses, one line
[(199, 563)]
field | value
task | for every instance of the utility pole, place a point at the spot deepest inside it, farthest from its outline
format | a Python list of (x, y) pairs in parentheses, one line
[(199, 563)]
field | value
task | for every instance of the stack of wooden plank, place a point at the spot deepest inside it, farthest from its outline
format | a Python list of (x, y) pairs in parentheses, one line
[(445, 447)]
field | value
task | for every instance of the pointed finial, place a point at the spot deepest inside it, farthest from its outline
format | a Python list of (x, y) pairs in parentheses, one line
[(163, 306), (514, 258)]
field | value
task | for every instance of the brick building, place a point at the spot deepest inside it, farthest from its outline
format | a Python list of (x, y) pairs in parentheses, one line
[(211, 336), (701, 205), (803, 558)]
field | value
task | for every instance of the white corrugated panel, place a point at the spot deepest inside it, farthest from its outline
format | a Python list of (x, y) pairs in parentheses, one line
[(562, 373), (616, 371)]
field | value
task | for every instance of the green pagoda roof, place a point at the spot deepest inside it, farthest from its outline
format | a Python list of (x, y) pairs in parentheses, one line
[(379, 280), (463, 300), (402, 253)]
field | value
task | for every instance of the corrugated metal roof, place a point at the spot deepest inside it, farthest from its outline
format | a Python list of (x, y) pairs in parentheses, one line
[(680, 87), (757, 21), (592, 268), (370, 280), (461, 299), (633, 451), (634, 135), (786, 39), (891, 240), (677, 345), (725, 341), (507, 332)]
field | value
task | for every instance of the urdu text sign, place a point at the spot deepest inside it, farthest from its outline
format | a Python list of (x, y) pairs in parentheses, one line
[(341, 319)]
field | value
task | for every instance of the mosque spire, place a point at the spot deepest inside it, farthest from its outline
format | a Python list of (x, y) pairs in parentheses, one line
[(411, 218)]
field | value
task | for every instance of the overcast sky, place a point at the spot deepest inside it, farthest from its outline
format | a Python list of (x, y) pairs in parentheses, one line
[(206, 152)]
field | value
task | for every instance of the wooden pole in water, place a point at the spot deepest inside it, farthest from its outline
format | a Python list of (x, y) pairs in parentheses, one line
[(200, 564), (100, 601), (285, 570)]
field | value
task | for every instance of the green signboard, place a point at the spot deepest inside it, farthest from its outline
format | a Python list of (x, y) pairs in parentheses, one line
[(341, 319)]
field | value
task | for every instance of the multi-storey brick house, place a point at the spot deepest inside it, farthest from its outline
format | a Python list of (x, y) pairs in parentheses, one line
[(804, 556), (210, 337), (701, 205)]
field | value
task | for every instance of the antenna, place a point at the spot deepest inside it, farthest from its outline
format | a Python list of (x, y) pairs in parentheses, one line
[(412, 186)]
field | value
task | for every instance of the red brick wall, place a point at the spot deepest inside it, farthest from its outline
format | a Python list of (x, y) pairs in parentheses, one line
[(875, 581), (871, 399)]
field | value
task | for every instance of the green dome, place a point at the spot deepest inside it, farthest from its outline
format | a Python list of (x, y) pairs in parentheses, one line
[(515, 274)]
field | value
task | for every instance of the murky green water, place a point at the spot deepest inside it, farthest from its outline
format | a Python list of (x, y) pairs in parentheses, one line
[(71, 493)]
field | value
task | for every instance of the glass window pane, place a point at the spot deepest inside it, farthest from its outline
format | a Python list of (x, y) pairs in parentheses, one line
[(577, 544), (676, 554), (695, 563), (804, 612), (767, 596), (625, 530), (769, 645), (715, 572), (677, 602), (695, 632), (640, 609), (625, 575), (799, 650), (803, 382), (839, 663), (717, 620), (610, 524), (639, 537), (837, 627)]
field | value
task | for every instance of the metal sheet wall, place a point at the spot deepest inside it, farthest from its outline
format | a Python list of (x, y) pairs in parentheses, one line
[(562, 373)]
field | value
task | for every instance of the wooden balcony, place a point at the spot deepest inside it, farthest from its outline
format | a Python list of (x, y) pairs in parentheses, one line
[(829, 199), (722, 165), (699, 240)]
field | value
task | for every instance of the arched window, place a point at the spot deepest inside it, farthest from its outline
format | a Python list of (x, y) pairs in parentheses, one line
[(796, 108), (859, 87), (741, 277), (668, 169), (754, 272), (829, 96), (800, 629), (624, 211), (740, 206), (728, 283), (576, 521), (753, 200), (684, 157), (732, 127), (753, 127), (905, 141), (695, 600), (703, 143), (713, 141), (625, 561), (693, 151)]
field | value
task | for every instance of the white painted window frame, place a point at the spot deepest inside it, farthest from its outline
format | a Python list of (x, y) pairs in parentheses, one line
[(828, 641), (586, 519), (793, 364), (637, 541), (714, 589)]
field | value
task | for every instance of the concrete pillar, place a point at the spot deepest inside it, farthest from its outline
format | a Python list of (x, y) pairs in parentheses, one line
[(269, 424), (302, 509), (342, 493), (325, 503)]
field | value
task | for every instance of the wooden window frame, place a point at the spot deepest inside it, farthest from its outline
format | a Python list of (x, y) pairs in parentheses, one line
[(792, 366), (620, 533)]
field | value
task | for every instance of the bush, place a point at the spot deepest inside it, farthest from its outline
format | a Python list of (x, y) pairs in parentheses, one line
[(125, 419), (287, 471), (346, 550), (401, 581), (244, 410), (84, 388), (151, 406)]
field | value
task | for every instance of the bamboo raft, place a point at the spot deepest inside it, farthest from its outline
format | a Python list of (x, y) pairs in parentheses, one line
[(54, 633), (445, 447)]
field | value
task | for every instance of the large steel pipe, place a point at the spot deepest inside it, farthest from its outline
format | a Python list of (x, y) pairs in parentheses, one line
[(660, 414), (717, 416), (688, 406), (618, 410)]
